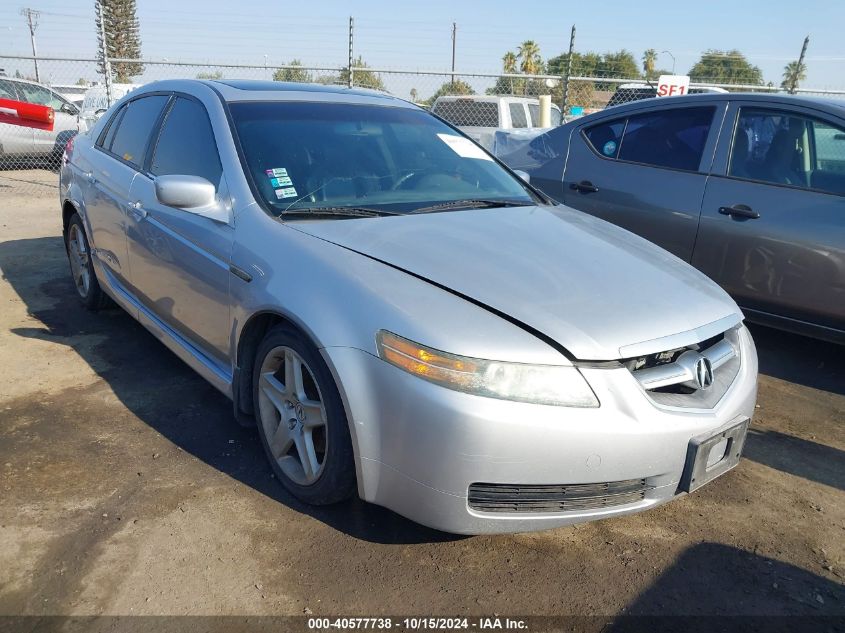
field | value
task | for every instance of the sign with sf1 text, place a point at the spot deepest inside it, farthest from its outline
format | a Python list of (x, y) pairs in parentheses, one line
[(672, 85)]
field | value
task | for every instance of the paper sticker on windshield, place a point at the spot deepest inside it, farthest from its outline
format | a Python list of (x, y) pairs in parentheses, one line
[(280, 182), (609, 148), (464, 147), (278, 172), (287, 192)]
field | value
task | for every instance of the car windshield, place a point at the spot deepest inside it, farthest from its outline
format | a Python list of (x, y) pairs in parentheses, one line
[(305, 156)]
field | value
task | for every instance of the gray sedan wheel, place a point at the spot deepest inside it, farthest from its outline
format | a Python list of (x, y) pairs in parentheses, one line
[(301, 420), (81, 266)]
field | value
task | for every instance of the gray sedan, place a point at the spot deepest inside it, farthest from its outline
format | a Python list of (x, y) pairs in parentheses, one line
[(399, 314), (748, 188)]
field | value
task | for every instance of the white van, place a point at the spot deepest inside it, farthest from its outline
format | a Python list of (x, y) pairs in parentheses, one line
[(479, 116), (96, 101)]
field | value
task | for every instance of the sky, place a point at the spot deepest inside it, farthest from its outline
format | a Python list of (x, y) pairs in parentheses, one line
[(417, 35)]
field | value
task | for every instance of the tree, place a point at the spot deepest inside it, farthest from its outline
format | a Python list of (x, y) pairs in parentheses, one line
[(414, 95), (123, 40), (529, 58), (297, 74), (509, 62), (617, 65), (728, 67), (793, 73), (456, 87), (217, 74), (620, 65), (649, 60), (361, 78)]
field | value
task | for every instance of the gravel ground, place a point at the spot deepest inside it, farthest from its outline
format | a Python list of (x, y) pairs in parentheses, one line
[(127, 488)]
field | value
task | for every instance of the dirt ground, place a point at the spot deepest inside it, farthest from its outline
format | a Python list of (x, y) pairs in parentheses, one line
[(127, 488)]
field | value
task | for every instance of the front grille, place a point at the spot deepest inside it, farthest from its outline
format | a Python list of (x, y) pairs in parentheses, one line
[(669, 378), (555, 498)]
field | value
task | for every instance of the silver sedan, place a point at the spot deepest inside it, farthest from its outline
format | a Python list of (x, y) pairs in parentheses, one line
[(399, 314)]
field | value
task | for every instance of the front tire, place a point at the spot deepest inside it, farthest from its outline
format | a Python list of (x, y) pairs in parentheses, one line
[(301, 420), (81, 266)]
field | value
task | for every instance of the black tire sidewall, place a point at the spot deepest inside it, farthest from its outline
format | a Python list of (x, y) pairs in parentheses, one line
[(337, 480)]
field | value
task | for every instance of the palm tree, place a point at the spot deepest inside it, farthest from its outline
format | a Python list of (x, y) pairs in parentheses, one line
[(414, 95), (509, 65), (649, 60), (509, 61), (530, 61), (793, 73)]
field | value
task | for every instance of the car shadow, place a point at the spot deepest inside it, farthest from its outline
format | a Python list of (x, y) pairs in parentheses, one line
[(800, 359), (199, 421), (797, 456), (760, 593)]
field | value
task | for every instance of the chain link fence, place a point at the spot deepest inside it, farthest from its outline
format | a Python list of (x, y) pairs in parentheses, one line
[(76, 90)]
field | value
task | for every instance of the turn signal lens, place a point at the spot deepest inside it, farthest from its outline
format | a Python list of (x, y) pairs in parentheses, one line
[(539, 384)]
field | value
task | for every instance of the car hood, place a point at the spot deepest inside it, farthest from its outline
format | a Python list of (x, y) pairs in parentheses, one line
[(597, 290)]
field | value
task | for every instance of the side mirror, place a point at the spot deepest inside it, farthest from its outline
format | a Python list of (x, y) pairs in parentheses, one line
[(69, 108), (192, 194), (523, 174)]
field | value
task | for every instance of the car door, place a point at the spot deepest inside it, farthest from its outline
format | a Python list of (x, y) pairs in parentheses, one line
[(15, 140), (119, 153), (645, 171), (180, 260), (773, 218)]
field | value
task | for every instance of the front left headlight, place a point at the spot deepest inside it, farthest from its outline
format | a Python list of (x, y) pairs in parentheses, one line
[(539, 384)]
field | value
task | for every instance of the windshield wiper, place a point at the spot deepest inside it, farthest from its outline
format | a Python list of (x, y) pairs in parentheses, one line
[(347, 212), (472, 204)]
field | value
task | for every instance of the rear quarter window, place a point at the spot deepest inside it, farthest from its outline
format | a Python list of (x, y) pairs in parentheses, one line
[(605, 138)]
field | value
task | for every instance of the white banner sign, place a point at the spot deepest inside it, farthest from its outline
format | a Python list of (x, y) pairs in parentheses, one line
[(672, 85)]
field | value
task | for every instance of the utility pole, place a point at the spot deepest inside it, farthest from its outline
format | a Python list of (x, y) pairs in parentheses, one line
[(454, 40), (104, 51), (32, 20), (565, 104), (793, 85), (351, 24)]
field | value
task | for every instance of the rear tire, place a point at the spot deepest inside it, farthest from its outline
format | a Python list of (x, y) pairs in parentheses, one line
[(81, 266), (301, 419)]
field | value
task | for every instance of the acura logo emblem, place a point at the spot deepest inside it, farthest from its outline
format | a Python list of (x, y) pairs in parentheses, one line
[(703, 373)]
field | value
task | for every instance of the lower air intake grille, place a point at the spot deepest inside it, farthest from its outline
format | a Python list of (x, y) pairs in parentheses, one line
[(555, 498)]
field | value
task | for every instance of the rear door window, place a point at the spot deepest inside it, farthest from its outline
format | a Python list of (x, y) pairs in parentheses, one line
[(133, 130), (186, 144), (518, 118), (669, 138)]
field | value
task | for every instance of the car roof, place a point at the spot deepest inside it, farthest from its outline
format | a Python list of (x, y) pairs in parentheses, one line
[(234, 90), (831, 106)]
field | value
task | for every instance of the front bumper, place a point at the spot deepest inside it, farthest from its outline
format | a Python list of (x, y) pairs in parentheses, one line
[(420, 446)]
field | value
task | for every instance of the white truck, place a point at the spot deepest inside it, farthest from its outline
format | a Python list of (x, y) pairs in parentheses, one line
[(480, 116)]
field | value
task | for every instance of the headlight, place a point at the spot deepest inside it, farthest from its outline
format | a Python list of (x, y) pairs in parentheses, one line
[(540, 384)]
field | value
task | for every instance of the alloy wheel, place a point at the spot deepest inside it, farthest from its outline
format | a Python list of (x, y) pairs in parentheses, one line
[(80, 260), (292, 415)]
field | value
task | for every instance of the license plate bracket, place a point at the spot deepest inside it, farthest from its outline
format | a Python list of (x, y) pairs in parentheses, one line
[(697, 472)]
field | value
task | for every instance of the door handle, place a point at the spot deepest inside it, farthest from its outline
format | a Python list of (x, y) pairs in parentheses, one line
[(585, 186), (740, 211), (138, 212)]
